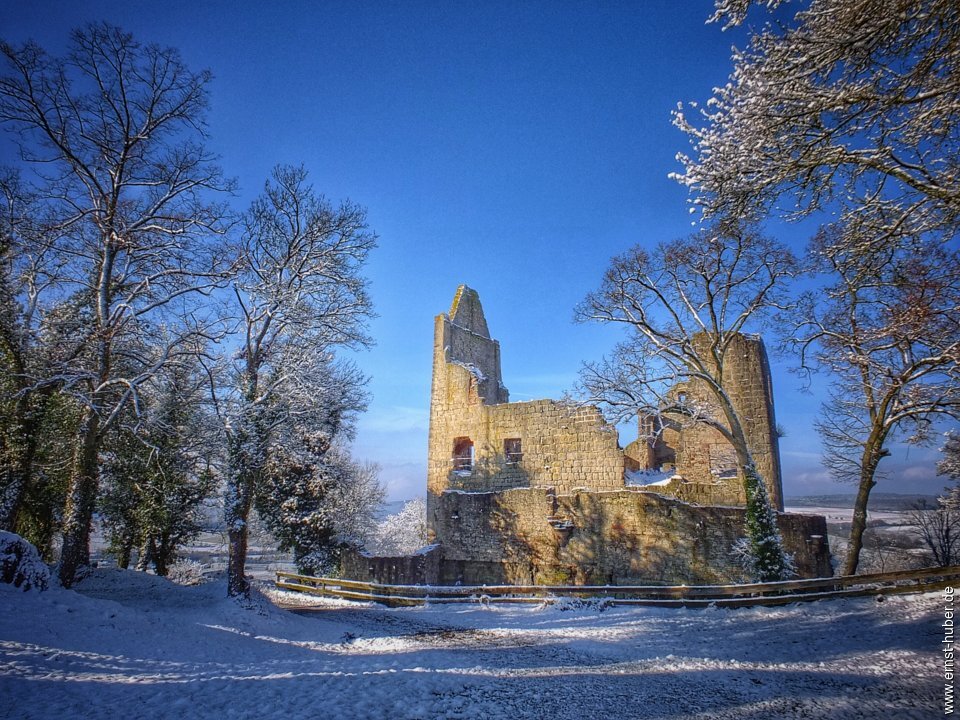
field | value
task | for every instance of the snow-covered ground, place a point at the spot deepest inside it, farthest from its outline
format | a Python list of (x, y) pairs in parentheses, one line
[(131, 645)]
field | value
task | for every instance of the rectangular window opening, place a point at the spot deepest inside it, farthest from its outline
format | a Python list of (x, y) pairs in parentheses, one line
[(512, 450), (463, 454)]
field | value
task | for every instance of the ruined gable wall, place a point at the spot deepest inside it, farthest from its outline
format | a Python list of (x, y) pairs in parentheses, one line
[(562, 447), (466, 374), (625, 537)]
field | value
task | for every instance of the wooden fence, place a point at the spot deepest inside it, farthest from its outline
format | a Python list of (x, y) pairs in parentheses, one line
[(773, 593)]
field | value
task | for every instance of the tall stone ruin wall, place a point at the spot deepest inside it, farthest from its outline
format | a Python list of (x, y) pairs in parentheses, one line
[(562, 447), (624, 537), (532, 536)]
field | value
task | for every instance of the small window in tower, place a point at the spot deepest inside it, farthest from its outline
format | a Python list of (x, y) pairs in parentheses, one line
[(512, 450), (463, 454), (649, 426)]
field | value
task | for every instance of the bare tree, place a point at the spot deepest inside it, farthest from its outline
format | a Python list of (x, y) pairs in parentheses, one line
[(949, 465), (685, 304), (939, 530), (300, 295), (111, 134), (879, 551), (888, 330)]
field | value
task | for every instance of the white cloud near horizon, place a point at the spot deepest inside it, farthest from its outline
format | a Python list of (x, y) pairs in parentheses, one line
[(404, 481)]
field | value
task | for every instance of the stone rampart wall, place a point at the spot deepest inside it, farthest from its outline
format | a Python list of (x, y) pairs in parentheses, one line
[(419, 569), (624, 537)]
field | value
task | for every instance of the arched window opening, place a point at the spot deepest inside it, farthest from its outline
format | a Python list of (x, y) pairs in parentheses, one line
[(463, 454)]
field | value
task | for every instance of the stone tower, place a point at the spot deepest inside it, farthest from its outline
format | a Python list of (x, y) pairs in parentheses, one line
[(466, 371), (700, 454), (462, 339)]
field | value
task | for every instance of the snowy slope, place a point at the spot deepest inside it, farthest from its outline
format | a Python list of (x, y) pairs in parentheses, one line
[(130, 645)]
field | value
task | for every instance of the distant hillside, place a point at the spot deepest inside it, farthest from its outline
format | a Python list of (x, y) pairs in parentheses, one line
[(878, 501), (391, 507)]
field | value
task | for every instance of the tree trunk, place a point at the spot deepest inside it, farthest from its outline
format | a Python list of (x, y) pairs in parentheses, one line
[(162, 555), (23, 445), (247, 448), (147, 552), (81, 496), (124, 552), (238, 512), (859, 523), (84, 478)]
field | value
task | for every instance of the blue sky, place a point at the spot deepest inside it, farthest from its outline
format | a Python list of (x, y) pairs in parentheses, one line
[(511, 146)]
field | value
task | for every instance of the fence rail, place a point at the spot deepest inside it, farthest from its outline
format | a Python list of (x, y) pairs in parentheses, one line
[(773, 593)]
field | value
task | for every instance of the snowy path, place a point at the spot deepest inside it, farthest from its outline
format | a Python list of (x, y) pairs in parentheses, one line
[(133, 646)]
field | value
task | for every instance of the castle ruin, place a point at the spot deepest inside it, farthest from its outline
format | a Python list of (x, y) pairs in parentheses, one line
[(536, 492)]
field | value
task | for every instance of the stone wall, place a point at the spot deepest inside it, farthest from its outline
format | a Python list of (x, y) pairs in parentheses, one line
[(627, 537), (715, 491), (563, 447), (420, 569)]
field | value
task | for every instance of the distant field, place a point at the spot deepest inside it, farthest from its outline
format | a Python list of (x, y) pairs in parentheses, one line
[(878, 501), (891, 541)]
